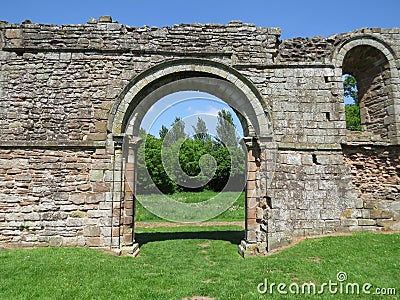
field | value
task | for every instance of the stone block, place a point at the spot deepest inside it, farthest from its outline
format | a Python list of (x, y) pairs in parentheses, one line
[(101, 187), (251, 185), (55, 241), (293, 159), (252, 224), (348, 222), (251, 176), (105, 19), (96, 175), (84, 187), (96, 213), (34, 216), (106, 231), (23, 177), (384, 222), (359, 203), (251, 213), (78, 214), (96, 136), (75, 222), (70, 242), (77, 198), (108, 176), (366, 222), (395, 226), (93, 242), (95, 198), (105, 206), (92, 231), (251, 236)]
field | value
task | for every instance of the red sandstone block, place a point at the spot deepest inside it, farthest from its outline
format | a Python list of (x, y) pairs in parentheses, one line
[(101, 187)]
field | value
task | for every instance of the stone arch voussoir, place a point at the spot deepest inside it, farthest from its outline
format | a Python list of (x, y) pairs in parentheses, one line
[(364, 40), (121, 109)]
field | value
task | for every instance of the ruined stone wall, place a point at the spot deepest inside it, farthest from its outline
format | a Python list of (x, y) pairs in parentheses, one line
[(376, 175), (320, 49), (60, 165), (46, 68), (54, 197), (249, 43), (311, 192)]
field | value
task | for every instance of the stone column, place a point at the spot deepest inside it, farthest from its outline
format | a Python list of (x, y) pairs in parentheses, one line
[(116, 192), (394, 112), (255, 192), (125, 149), (131, 146)]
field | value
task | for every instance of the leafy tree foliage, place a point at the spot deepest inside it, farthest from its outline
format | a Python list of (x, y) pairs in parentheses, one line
[(163, 132), (204, 162), (149, 157), (200, 130), (353, 120), (350, 88), (226, 131), (176, 132), (142, 132)]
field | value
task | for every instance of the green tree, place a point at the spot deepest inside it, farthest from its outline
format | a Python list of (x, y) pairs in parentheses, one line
[(350, 88), (176, 132), (353, 120), (150, 163), (142, 132), (226, 131), (200, 130), (230, 157), (163, 132), (203, 162)]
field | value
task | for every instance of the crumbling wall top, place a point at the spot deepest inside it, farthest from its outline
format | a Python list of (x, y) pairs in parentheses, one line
[(319, 49), (248, 42)]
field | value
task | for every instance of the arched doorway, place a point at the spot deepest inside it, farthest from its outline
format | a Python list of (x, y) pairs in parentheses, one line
[(193, 75)]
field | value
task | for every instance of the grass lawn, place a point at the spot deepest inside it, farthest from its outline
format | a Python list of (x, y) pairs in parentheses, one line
[(179, 262), (236, 212)]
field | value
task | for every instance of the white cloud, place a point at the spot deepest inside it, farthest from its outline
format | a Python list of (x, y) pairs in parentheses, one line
[(212, 111)]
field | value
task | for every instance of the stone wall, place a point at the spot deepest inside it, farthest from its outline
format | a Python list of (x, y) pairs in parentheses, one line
[(67, 94), (55, 197), (311, 191), (376, 175), (319, 49), (93, 63)]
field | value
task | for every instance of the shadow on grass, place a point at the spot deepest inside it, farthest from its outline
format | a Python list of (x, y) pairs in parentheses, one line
[(231, 236)]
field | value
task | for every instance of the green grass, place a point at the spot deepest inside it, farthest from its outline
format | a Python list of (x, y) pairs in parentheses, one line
[(236, 212), (198, 261)]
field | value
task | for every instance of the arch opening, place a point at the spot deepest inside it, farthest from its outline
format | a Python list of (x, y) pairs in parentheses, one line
[(208, 128), (254, 117), (218, 88), (371, 70), (352, 106)]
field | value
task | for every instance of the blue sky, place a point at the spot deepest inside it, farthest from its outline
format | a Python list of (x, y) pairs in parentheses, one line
[(295, 18), (189, 106)]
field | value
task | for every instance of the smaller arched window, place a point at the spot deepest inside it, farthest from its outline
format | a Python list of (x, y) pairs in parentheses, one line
[(352, 106), (367, 73)]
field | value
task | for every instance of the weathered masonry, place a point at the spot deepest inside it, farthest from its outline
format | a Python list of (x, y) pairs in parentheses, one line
[(70, 94)]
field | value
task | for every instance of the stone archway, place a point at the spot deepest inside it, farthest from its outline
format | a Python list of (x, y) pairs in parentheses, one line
[(221, 81), (373, 63)]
